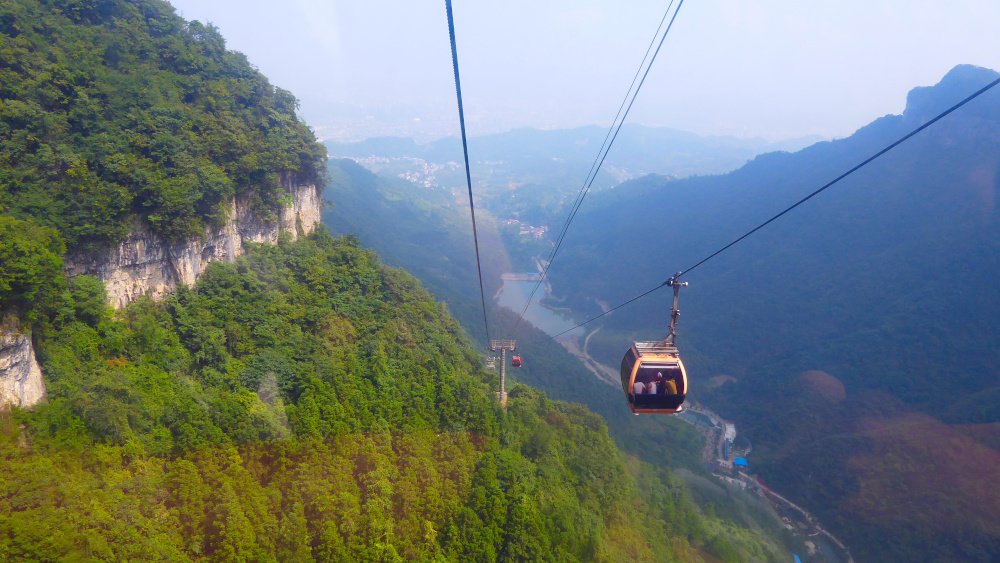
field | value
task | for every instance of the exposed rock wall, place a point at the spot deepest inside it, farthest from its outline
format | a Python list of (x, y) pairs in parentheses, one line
[(145, 263), (21, 381)]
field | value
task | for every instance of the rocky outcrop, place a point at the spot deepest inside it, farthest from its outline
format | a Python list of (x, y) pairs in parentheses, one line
[(145, 263), (21, 381)]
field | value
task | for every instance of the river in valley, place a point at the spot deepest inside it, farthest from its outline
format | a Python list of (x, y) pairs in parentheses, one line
[(514, 294)]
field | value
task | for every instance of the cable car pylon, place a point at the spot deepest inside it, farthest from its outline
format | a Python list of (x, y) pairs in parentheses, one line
[(502, 346)]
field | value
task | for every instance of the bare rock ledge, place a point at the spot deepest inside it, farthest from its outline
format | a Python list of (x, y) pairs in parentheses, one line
[(21, 382), (144, 263)]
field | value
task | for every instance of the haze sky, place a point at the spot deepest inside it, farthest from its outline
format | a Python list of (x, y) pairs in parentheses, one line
[(774, 69)]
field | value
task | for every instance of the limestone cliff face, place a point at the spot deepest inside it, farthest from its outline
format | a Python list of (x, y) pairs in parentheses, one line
[(21, 381), (145, 263)]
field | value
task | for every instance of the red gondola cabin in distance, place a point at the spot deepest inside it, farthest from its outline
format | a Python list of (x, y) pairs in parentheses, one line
[(515, 361)]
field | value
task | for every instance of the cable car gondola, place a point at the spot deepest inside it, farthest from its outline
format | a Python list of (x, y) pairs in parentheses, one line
[(652, 373), (515, 361)]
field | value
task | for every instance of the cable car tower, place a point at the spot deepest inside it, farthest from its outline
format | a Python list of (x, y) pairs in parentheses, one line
[(503, 346)]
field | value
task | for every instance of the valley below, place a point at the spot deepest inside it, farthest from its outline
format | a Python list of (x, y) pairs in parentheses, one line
[(223, 338), (718, 453), (815, 371)]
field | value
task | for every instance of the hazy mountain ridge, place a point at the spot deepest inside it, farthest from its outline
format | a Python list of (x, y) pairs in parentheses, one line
[(638, 149), (887, 282), (302, 402), (888, 275)]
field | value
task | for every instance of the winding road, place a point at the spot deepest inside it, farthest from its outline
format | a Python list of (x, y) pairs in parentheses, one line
[(712, 452), (602, 372)]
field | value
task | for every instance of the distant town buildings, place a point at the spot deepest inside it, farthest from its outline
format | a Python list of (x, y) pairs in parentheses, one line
[(728, 437), (728, 463), (411, 169), (528, 230)]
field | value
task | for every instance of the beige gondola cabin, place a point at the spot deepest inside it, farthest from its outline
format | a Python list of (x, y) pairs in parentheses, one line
[(653, 378)]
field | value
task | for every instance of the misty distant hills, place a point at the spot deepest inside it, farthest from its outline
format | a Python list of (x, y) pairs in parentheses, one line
[(863, 329), (637, 150)]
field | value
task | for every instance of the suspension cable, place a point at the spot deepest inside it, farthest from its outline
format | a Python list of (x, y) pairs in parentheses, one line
[(602, 153), (582, 193), (611, 310), (857, 167), (465, 153)]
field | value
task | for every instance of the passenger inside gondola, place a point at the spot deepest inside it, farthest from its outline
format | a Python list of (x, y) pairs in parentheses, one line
[(657, 381), (658, 386), (669, 385)]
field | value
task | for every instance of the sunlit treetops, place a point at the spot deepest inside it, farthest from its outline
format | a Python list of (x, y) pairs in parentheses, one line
[(305, 403), (112, 109)]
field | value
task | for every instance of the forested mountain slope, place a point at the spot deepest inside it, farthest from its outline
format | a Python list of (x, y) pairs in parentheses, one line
[(302, 403), (859, 333), (114, 108), (136, 142), (422, 230), (418, 229), (307, 402)]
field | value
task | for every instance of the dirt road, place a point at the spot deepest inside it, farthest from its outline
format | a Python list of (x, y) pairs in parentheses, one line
[(604, 373)]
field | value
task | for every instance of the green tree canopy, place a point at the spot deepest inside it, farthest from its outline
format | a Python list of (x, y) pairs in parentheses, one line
[(30, 266), (111, 109)]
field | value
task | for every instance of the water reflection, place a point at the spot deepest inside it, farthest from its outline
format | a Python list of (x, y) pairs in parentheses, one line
[(514, 294), (696, 418)]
